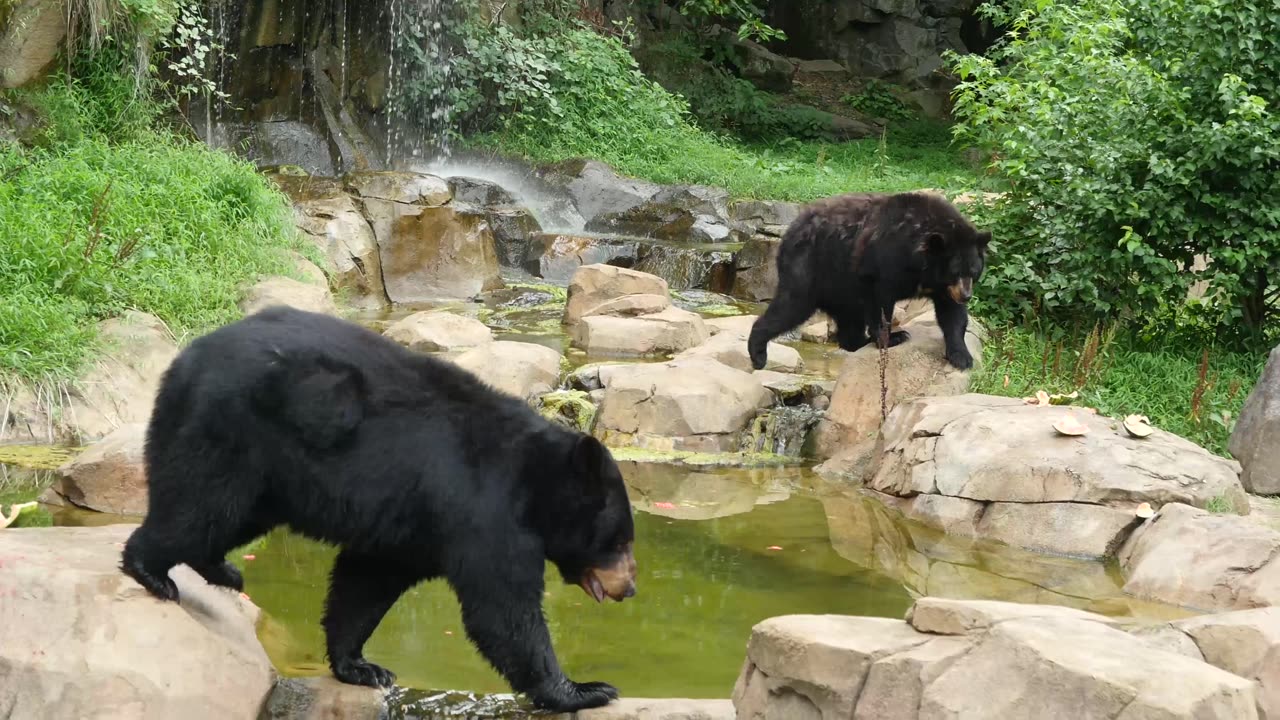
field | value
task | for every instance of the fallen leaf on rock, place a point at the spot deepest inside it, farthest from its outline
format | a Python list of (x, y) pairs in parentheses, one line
[(1063, 399), (1138, 426), (1041, 399), (1070, 425), (1144, 510)]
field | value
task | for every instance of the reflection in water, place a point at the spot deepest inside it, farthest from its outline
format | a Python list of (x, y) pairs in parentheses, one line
[(702, 586)]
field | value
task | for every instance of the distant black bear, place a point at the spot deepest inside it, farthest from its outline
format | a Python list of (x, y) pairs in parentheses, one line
[(414, 467), (854, 256)]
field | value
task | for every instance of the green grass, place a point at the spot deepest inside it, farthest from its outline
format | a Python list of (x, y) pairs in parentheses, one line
[(1123, 376), (910, 158)]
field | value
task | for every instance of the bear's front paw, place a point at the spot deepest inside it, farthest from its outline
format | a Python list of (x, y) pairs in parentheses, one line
[(569, 696), (358, 671), (960, 359)]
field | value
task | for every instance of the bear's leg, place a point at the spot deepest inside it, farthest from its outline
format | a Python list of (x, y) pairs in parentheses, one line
[(361, 591), (216, 570), (953, 319), (880, 313), (785, 312), (198, 541), (148, 556), (851, 335), (503, 617)]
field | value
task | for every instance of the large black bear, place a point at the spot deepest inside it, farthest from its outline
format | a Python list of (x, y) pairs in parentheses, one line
[(854, 256), (414, 467)]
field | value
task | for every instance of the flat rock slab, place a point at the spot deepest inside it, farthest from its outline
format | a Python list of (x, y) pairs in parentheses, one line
[(987, 660), (82, 640), (994, 468)]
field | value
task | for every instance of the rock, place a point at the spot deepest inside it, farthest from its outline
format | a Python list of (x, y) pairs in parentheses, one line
[(688, 267), (525, 370), (280, 142), (1190, 557), (596, 284), (290, 292), (847, 128), (665, 709), (406, 188), (1255, 442), (514, 230), (595, 188), (819, 329), (30, 40), (83, 640), (435, 331), (822, 67), (481, 193), (769, 217), (680, 213), (992, 660), (764, 69), (943, 616), (338, 229), (1022, 484), (699, 405), (573, 409), (814, 666), (737, 325), (670, 331), (323, 698), (310, 272), (1245, 643), (117, 389), (110, 476), (1049, 667), (916, 368), (756, 274), (632, 306), (730, 348), (556, 257), (430, 253)]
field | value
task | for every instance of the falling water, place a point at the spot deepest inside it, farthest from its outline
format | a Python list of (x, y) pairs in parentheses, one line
[(419, 115), (781, 430)]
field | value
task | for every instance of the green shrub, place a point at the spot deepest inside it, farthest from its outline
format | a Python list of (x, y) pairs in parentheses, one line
[(878, 101), (1135, 135)]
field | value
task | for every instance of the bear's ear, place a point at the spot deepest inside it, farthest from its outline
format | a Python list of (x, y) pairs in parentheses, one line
[(934, 243), (588, 457), (984, 238)]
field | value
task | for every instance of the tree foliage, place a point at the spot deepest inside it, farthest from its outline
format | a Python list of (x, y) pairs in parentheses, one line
[(1136, 136)]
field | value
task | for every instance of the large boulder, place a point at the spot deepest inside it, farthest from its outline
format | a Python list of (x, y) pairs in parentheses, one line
[(700, 405), (514, 229), (82, 640), (957, 659), (525, 370), (667, 331), (1245, 643), (916, 368), (30, 40), (556, 257), (436, 331), (117, 389), (110, 476), (594, 285), (994, 468), (595, 189), (756, 269), (1190, 557), (1255, 442), (337, 228), (429, 248), (682, 213), (286, 291)]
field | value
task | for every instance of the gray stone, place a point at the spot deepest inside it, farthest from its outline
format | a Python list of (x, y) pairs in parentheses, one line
[(1255, 442)]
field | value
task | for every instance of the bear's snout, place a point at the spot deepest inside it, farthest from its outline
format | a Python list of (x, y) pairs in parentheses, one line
[(961, 290)]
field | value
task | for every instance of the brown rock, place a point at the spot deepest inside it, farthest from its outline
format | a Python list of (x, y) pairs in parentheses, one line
[(1246, 643), (593, 285), (401, 187), (435, 331), (730, 348), (669, 331), (324, 698), (944, 616), (287, 291), (82, 640), (433, 252), (1190, 557), (916, 368), (1255, 442), (30, 40), (756, 269), (525, 370), (739, 325), (110, 476), (341, 232), (631, 306)]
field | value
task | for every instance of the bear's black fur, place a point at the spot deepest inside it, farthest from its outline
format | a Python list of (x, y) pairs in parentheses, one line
[(414, 467), (854, 256)]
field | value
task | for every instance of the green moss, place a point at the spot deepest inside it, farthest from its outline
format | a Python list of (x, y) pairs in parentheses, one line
[(570, 406)]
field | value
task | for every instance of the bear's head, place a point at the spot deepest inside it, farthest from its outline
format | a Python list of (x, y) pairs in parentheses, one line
[(956, 260), (587, 523)]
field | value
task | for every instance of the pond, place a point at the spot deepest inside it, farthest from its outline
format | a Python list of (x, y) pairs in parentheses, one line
[(718, 550)]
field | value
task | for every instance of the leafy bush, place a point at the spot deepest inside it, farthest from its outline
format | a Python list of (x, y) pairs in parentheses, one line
[(878, 101), (1135, 136)]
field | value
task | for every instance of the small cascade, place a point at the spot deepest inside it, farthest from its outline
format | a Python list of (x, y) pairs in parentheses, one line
[(780, 430)]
